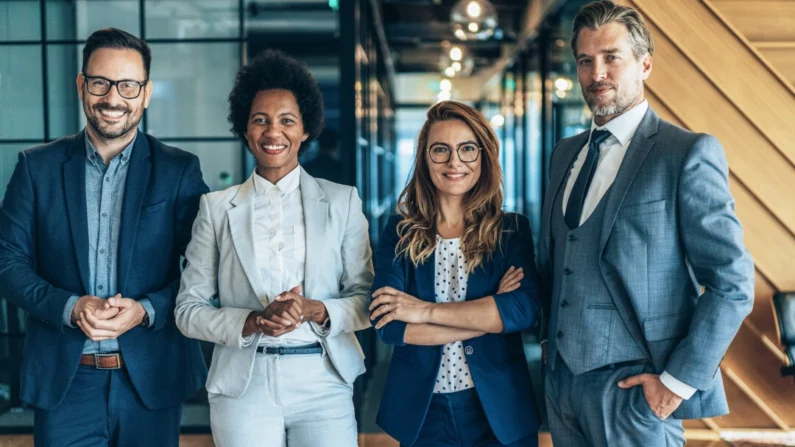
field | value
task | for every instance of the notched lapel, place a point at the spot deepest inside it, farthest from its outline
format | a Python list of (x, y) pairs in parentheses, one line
[(637, 152), (134, 193), (241, 227), (316, 214), (424, 275), (74, 179)]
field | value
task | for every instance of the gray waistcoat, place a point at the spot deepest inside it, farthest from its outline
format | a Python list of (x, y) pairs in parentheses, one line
[(584, 327)]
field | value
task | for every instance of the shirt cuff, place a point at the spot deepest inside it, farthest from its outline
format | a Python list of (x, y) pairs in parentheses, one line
[(322, 330), (150, 311), (679, 388), (246, 341), (67, 311)]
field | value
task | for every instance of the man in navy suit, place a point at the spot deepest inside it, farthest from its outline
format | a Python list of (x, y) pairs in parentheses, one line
[(91, 232)]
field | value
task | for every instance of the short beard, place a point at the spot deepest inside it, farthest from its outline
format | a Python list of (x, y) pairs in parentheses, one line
[(617, 106), (105, 134)]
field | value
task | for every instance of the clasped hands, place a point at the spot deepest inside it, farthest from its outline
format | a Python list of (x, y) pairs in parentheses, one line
[(102, 319), (285, 314), (391, 304)]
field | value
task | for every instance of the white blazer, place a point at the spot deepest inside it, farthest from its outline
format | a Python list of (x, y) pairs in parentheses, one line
[(222, 265)]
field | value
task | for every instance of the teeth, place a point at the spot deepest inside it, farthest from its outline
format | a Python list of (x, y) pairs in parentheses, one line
[(271, 147), (110, 113), (454, 175)]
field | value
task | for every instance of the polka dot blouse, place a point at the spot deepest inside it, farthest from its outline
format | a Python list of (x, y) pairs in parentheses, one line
[(451, 286)]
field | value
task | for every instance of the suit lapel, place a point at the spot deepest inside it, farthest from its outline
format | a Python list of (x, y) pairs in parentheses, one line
[(134, 192), (566, 156), (241, 227), (479, 280), (316, 209), (74, 178), (636, 154), (424, 275)]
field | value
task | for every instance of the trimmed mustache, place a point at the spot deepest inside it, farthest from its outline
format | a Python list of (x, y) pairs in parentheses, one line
[(108, 107), (600, 85)]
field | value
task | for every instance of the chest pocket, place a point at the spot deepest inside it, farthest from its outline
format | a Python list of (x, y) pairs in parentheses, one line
[(643, 208)]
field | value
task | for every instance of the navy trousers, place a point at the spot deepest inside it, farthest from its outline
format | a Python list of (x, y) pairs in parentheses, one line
[(102, 408), (458, 420)]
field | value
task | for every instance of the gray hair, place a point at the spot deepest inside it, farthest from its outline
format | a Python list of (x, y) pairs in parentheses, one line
[(598, 13)]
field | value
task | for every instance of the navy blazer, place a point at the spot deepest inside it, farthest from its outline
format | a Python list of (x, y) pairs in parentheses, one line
[(496, 361), (44, 261)]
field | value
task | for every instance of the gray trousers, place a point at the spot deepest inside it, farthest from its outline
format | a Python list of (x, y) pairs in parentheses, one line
[(590, 410)]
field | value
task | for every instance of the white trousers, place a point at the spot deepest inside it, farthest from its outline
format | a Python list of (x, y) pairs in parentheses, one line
[(292, 401)]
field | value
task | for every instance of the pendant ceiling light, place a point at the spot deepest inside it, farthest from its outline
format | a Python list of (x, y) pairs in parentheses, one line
[(473, 19)]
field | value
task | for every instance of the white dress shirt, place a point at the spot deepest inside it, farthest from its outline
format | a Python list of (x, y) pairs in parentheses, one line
[(451, 286), (280, 245), (611, 153)]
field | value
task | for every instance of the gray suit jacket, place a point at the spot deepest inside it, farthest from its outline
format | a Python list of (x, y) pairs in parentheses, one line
[(222, 264), (669, 230)]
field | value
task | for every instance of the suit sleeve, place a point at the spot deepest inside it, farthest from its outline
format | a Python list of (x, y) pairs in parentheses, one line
[(520, 309), (389, 272), (191, 188), (19, 282), (349, 312), (713, 241)]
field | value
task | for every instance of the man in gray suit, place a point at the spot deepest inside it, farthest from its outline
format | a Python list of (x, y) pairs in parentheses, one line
[(637, 219)]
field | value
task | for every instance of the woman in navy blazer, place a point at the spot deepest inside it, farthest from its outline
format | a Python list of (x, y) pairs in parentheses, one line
[(454, 287)]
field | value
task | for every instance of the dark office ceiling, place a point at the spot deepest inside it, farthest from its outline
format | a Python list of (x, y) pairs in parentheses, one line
[(419, 30)]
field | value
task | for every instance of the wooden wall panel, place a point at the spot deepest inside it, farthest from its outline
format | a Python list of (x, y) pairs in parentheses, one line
[(763, 316), (782, 58), (744, 413), (694, 424), (756, 365), (760, 20), (762, 97)]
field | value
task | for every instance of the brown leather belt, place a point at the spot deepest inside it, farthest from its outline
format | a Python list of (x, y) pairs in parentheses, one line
[(102, 361)]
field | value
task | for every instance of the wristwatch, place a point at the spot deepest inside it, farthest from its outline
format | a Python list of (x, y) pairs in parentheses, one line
[(145, 320)]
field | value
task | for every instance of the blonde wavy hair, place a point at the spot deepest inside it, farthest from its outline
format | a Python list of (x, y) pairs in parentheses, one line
[(419, 203)]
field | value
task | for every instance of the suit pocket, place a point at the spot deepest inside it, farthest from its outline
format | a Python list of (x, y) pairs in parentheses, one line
[(149, 209), (667, 327), (643, 208), (609, 306)]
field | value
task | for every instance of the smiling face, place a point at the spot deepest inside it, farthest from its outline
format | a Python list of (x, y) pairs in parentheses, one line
[(449, 138), (610, 75), (111, 116), (275, 132)]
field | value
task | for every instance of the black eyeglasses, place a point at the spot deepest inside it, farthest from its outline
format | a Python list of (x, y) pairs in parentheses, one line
[(127, 88), (467, 153)]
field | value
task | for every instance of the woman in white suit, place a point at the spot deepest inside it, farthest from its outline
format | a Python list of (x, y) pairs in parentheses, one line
[(288, 256)]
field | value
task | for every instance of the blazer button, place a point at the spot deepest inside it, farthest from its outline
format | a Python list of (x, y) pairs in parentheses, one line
[(567, 271), (564, 303), (469, 350), (560, 334), (572, 237)]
